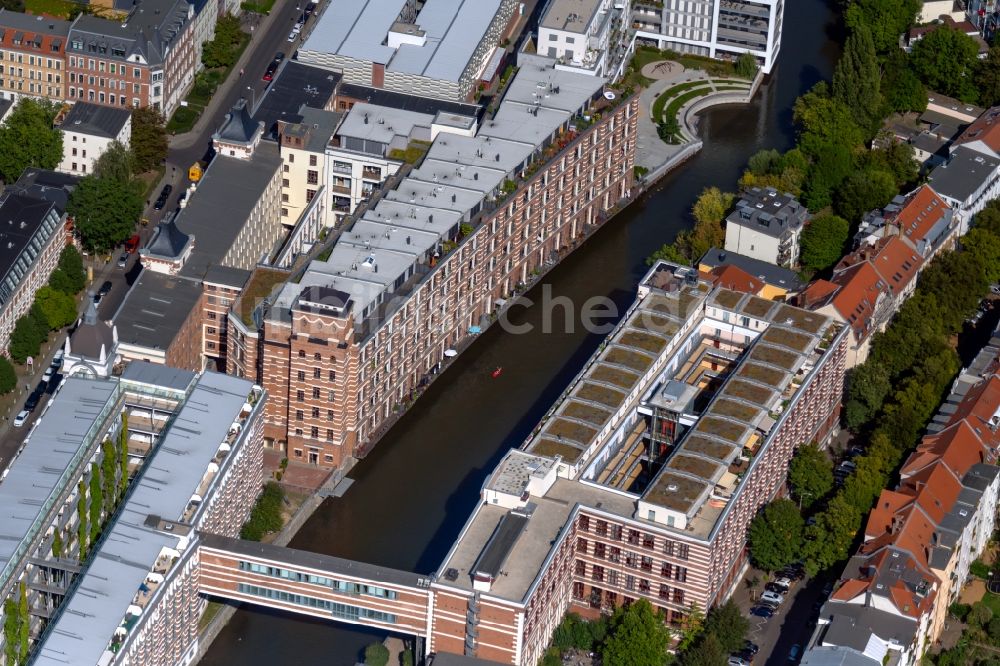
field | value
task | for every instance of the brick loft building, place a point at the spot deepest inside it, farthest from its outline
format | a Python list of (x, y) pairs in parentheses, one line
[(147, 59), (32, 56), (642, 480), (195, 456), (357, 333)]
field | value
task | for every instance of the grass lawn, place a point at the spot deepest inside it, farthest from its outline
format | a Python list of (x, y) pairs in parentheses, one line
[(184, 119), (57, 8), (150, 180), (260, 7), (205, 85), (670, 92), (993, 601), (211, 610), (677, 103)]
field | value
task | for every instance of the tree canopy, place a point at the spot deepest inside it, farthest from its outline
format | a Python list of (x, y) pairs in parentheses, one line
[(117, 162), (637, 637), (775, 535), (27, 139), (823, 241), (946, 60), (887, 19), (57, 307), (8, 378), (810, 474), (149, 138), (105, 211), (728, 624), (857, 79)]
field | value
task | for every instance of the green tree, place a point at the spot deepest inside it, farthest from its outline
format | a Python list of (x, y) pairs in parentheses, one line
[(123, 456), (775, 535), (57, 307), (988, 78), (829, 538), (105, 211), (109, 476), (984, 246), (728, 624), (946, 60), (149, 138), (856, 79), (864, 191), (11, 631), (988, 219), (823, 241), (24, 624), (27, 139), (824, 122), (57, 543), (266, 514), (980, 615), (96, 502), (868, 386), (26, 339), (887, 19), (810, 474), (668, 252), (638, 637), (764, 162), (82, 531), (8, 378), (376, 654), (706, 652), (712, 205), (117, 162), (746, 66), (71, 265)]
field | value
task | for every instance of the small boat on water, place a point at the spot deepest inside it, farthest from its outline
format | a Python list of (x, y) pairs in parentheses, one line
[(496, 373)]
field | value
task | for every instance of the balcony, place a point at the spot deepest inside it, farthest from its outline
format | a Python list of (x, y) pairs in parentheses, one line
[(372, 173)]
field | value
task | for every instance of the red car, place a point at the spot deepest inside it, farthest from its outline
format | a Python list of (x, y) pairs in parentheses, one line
[(132, 244)]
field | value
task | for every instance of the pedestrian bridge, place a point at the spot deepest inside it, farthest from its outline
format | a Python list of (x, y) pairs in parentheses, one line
[(312, 584)]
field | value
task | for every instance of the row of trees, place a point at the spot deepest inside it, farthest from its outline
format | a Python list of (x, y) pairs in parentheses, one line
[(890, 399), (54, 308), (224, 50), (107, 485), (266, 515)]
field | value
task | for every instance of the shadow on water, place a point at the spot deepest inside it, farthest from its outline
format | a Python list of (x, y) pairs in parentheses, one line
[(413, 493)]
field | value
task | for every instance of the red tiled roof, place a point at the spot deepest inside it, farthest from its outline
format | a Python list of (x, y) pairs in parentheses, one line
[(735, 278), (817, 294), (860, 288), (44, 42), (881, 516), (896, 262), (986, 129), (958, 446), (979, 407), (918, 216)]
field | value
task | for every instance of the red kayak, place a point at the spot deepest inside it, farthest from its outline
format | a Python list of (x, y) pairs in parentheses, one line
[(496, 373)]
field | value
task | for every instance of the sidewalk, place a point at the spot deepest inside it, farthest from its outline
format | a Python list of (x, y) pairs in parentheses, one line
[(205, 121)]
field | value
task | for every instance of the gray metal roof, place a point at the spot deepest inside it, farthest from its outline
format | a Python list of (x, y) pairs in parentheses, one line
[(769, 273), (168, 241), (963, 174), (227, 275), (218, 210), (144, 372), (155, 308), (238, 126), (128, 553), (95, 119), (851, 625), (45, 467), (836, 656)]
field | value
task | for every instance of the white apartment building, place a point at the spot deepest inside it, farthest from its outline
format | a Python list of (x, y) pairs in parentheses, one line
[(577, 34), (303, 161), (766, 225), (373, 142), (715, 28), (88, 130)]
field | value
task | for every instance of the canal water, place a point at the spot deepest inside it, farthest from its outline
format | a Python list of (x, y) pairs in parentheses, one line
[(412, 494)]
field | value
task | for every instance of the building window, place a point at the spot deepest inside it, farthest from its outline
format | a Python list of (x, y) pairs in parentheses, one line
[(329, 436), (302, 375), (314, 432), (601, 528), (678, 596), (284, 182), (616, 532), (312, 177), (599, 549), (299, 415), (310, 194), (300, 396), (597, 573), (316, 392), (333, 375), (329, 415), (633, 537), (664, 592), (331, 396), (682, 551), (315, 412), (317, 373), (585, 523), (581, 568), (581, 545), (298, 452), (614, 554), (312, 160), (648, 541)]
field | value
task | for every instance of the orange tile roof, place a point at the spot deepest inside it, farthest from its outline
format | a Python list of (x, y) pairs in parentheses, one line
[(735, 278), (986, 129), (860, 289), (817, 294), (979, 407), (934, 488), (958, 446), (896, 262), (849, 589), (918, 216), (881, 516)]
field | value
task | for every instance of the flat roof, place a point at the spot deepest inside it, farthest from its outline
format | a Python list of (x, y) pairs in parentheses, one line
[(297, 84), (217, 212), (155, 374), (963, 173), (381, 123), (95, 119), (358, 29), (90, 616), (569, 15), (327, 563), (154, 309), (404, 102), (47, 464)]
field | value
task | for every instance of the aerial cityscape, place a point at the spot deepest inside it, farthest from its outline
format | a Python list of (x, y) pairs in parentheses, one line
[(481, 332)]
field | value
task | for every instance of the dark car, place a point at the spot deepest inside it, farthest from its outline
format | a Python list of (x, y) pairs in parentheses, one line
[(745, 655), (762, 611), (161, 200), (105, 288), (750, 647), (33, 399), (269, 72)]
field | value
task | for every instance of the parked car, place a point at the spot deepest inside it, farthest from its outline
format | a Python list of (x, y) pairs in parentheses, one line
[(269, 72), (762, 611), (794, 652), (21, 417), (123, 260), (105, 289), (32, 402), (132, 244), (292, 35), (855, 451), (784, 583), (751, 647), (745, 655), (57, 360), (772, 598), (736, 660), (47, 375)]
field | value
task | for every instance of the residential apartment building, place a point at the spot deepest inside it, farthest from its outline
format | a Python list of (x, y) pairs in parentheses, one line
[(921, 219), (922, 537), (625, 491), (439, 52), (32, 56), (584, 35), (371, 144), (867, 288), (137, 599), (146, 60), (230, 223), (33, 238), (767, 225), (88, 129), (967, 182), (303, 160), (358, 331), (715, 28), (779, 283)]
